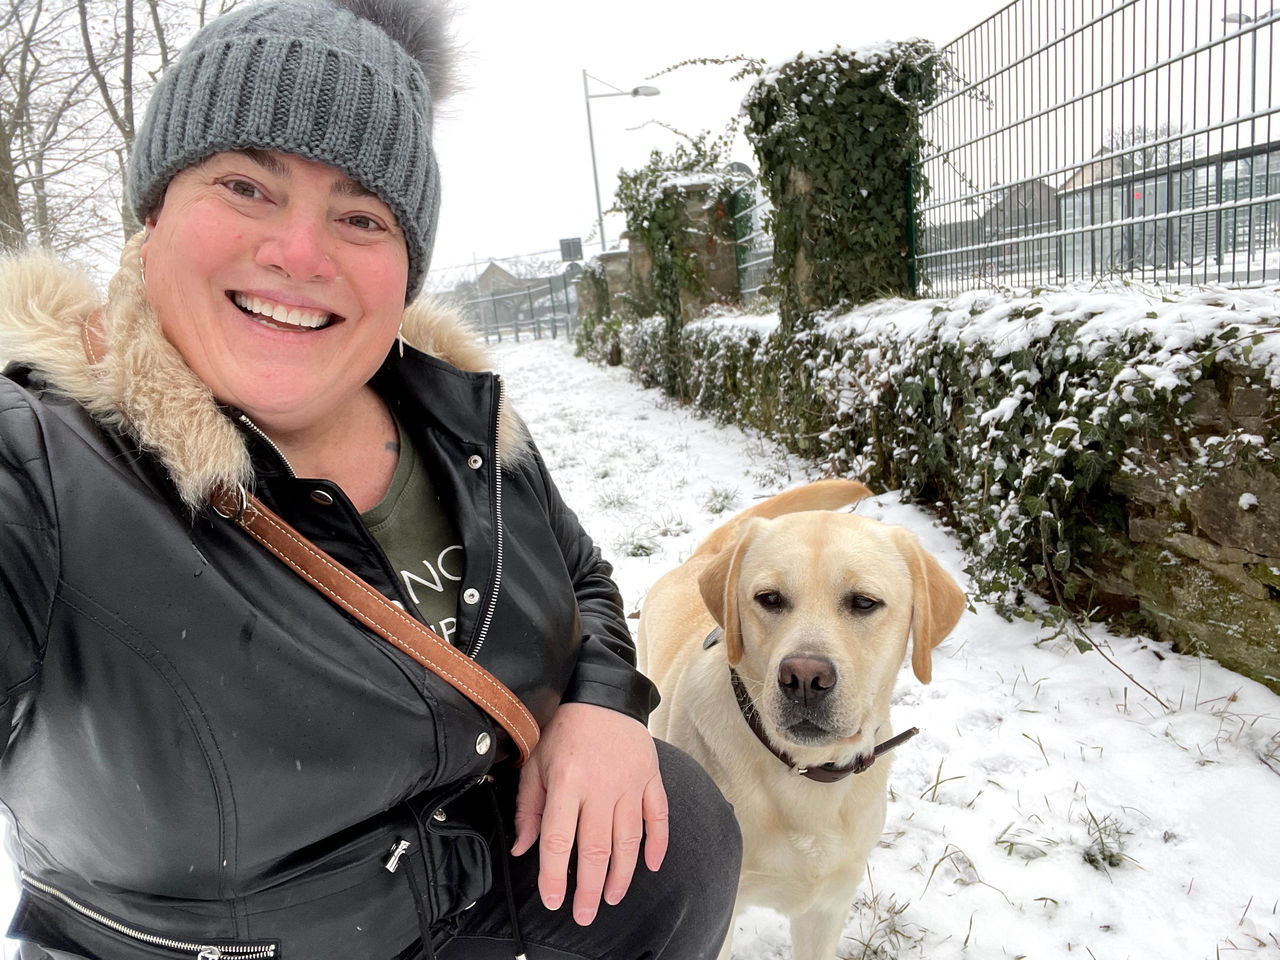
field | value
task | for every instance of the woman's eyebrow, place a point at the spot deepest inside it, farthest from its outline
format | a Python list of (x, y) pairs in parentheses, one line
[(265, 159), (344, 187)]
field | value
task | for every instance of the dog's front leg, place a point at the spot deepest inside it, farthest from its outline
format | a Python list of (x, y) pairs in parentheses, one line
[(815, 934)]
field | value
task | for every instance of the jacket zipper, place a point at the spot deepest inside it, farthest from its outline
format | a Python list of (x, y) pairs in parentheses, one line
[(243, 418), (497, 503), (202, 951)]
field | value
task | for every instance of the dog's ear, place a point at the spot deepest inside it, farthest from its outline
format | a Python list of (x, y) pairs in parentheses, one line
[(937, 602), (718, 584)]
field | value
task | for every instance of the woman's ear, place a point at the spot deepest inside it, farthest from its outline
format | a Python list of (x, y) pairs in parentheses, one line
[(148, 226), (149, 222)]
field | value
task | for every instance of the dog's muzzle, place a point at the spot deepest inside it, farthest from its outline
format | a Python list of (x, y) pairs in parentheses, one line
[(806, 684)]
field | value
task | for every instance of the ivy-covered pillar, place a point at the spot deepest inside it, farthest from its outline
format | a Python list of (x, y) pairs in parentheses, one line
[(837, 138), (677, 206)]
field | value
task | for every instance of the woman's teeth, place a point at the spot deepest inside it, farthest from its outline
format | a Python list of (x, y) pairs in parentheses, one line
[(281, 314)]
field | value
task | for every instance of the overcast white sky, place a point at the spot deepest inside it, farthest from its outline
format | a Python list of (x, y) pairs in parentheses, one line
[(513, 147)]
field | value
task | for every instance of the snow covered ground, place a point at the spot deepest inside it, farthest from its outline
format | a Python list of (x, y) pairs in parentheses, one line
[(1050, 807)]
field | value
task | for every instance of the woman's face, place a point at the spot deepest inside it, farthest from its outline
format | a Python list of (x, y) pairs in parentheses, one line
[(281, 282)]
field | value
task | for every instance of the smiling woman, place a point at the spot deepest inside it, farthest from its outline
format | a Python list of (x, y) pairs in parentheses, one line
[(206, 756), (282, 284)]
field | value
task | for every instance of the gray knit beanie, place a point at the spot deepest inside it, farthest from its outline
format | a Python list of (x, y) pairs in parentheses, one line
[(349, 83)]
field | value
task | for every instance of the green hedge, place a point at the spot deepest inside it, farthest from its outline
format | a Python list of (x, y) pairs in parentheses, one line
[(1010, 416)]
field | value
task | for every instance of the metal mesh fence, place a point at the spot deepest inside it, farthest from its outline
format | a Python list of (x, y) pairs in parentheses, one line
[(754, 249), (545, 307), (1085, 138)]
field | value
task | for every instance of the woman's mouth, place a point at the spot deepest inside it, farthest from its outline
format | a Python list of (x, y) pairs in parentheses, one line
[(280, 316)]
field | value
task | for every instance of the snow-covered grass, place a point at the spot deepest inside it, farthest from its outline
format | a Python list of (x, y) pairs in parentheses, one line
[(1051, 807)]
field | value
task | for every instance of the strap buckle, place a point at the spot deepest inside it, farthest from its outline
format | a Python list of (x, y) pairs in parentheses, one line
[(229, 504)]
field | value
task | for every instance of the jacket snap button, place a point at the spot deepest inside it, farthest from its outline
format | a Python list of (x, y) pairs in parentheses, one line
[(483, 743), (440, 816), (471, 595), (322, 497), (475, 461)]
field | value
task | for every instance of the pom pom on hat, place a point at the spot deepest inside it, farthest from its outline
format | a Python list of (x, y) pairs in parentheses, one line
[(421, 29)]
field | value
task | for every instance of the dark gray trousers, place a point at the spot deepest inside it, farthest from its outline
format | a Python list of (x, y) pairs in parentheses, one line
[(682, 912)]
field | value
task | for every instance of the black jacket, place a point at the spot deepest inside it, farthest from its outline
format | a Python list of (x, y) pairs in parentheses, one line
[(202, 749)]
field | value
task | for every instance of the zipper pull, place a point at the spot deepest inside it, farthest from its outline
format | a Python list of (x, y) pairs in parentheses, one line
[(209, 953), (397, 851)]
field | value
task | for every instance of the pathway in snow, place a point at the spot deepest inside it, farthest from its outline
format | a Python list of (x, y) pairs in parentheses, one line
[(1050, 808)]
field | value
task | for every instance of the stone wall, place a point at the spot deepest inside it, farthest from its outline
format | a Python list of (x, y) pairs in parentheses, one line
[(1204, 561)]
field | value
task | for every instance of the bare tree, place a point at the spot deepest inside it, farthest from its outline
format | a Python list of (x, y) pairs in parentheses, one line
[(1152, 148), (14, 101), (12, 234), (532, 266), (73, 77)]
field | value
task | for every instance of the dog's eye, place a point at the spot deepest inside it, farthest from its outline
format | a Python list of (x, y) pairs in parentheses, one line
[(771, 600), (860, 603)]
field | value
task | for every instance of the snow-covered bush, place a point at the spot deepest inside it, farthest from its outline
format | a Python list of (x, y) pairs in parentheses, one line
[(1027, 421)]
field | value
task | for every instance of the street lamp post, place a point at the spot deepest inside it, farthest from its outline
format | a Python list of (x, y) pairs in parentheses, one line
[(1241, 19), (587, 97)]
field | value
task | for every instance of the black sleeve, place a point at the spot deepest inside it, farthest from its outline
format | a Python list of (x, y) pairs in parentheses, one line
[(29, 554), (606, 674)]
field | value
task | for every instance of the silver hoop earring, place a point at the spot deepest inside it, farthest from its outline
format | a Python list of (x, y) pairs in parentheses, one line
[(142, 261)]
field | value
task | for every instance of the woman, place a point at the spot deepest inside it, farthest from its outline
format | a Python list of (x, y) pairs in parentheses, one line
[(206, 757)]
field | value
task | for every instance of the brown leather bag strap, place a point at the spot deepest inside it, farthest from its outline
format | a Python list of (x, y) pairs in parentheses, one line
[(370, 607)]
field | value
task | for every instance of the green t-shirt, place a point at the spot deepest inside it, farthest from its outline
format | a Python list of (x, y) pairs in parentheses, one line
[(420, 541)]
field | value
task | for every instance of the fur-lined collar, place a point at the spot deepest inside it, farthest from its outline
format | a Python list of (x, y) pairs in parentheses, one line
[(141, 383)]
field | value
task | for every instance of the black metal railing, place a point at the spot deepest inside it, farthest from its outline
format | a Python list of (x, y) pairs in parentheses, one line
[(1085, 138), (545, 307)]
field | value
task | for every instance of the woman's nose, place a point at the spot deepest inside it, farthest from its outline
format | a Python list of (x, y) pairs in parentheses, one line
[(299, 246)]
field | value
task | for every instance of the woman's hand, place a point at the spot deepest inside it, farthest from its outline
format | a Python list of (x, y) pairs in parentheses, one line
[(593, 779)]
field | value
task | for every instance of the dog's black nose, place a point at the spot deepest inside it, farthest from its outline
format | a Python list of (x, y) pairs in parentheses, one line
[(806, 680)]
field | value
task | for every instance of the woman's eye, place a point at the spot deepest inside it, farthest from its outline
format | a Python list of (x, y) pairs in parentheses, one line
[(243, 188), (363, 222)]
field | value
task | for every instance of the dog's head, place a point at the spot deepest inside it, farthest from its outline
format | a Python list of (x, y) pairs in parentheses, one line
[(817, 609)]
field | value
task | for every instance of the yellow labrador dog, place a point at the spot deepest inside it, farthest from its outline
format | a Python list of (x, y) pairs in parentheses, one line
[(776, 647)]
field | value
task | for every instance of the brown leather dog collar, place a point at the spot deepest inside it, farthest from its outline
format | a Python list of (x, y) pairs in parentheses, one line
[(828, 772)]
